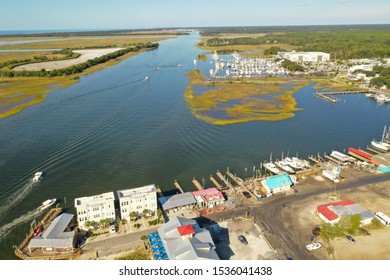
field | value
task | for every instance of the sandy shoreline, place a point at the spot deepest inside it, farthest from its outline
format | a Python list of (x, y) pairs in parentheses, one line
[(54, 65)]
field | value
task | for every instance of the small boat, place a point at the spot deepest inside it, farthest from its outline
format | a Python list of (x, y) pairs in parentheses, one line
[(179, 65), (37, 176), (147, 78), (46, 204), (38, 230)]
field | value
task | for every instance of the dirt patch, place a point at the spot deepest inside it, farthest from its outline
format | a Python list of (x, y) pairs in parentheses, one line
[(53, 65), (301, 218)]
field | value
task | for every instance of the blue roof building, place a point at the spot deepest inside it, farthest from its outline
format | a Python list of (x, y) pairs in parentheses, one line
[(277, 184)]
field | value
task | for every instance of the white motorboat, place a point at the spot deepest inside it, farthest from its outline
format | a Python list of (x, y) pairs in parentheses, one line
[(272, 168), (37, 176), (284, 166), (46, 204), (292, 163)]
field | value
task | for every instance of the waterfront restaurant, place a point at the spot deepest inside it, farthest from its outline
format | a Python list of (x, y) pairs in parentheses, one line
[(183, 239), (57, 238), (208, 198), (174, 203)]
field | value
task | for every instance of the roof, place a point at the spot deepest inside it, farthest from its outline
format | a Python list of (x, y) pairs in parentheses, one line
[(209, 195), (383, 159), (307, 53), (331, 211), (55, 235), (186, 230), (278, 181), (328, 213), (360, 153), (95, 199), (177, 200), (199, 246), (137, 192)]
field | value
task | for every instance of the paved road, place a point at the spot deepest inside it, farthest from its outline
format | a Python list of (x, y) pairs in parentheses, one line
[(117, 244), (268, 215)]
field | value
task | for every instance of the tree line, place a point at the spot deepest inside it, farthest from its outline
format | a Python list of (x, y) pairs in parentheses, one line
[(341, 44), (78, 68)]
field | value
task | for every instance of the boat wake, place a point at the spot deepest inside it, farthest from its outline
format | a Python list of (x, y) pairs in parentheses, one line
[(16, 198), (6, 229)]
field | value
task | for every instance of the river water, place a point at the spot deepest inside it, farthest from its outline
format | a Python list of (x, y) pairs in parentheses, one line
[(116, 130)]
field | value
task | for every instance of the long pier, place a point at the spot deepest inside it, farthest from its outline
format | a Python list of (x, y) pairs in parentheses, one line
[(236, 179), (217, 185), (327, 95), (224, 180), (197, 184), (159, 192), (177, 185)]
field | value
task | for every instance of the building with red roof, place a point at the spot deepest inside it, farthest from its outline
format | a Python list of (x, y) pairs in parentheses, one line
[(208, 198), (332, 212)]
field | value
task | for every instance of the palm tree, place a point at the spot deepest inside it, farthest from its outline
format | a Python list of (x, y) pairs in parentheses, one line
[(145, 213), (133, 216)]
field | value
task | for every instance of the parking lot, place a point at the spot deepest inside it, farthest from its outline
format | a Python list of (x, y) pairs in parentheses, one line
[(228, 246)]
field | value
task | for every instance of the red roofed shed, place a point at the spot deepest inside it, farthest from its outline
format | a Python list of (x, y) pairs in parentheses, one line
[(329, 214)]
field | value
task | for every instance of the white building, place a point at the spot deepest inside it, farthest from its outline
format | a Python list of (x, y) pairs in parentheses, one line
[(95, 208), (136, 200), (314, 57)]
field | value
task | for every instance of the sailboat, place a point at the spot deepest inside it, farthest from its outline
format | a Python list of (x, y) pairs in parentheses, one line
[(381, 145)]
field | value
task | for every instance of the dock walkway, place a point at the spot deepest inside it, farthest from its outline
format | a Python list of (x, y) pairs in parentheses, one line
[(217, 185), (177, 185), (223, 179), (197, 184)]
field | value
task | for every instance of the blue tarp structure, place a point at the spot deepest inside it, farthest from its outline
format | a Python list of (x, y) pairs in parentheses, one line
[(159, 251)]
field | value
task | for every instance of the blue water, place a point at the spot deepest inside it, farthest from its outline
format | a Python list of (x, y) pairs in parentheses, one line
[(116, 130)]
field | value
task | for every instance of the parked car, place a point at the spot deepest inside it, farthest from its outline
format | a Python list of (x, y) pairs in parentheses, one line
[(350, 239), (313, 246), (243, 239), (112, 229)]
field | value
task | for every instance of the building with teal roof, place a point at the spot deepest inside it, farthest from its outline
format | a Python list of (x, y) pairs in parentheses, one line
[(277, 184)]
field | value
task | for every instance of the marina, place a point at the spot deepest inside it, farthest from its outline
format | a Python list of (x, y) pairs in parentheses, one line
[(239, 67), (117, 131)]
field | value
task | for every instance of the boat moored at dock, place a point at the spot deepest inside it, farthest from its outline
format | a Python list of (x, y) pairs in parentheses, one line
[(272, 168)]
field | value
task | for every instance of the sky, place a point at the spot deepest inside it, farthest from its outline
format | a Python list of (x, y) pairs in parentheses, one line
[(130, 14)]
